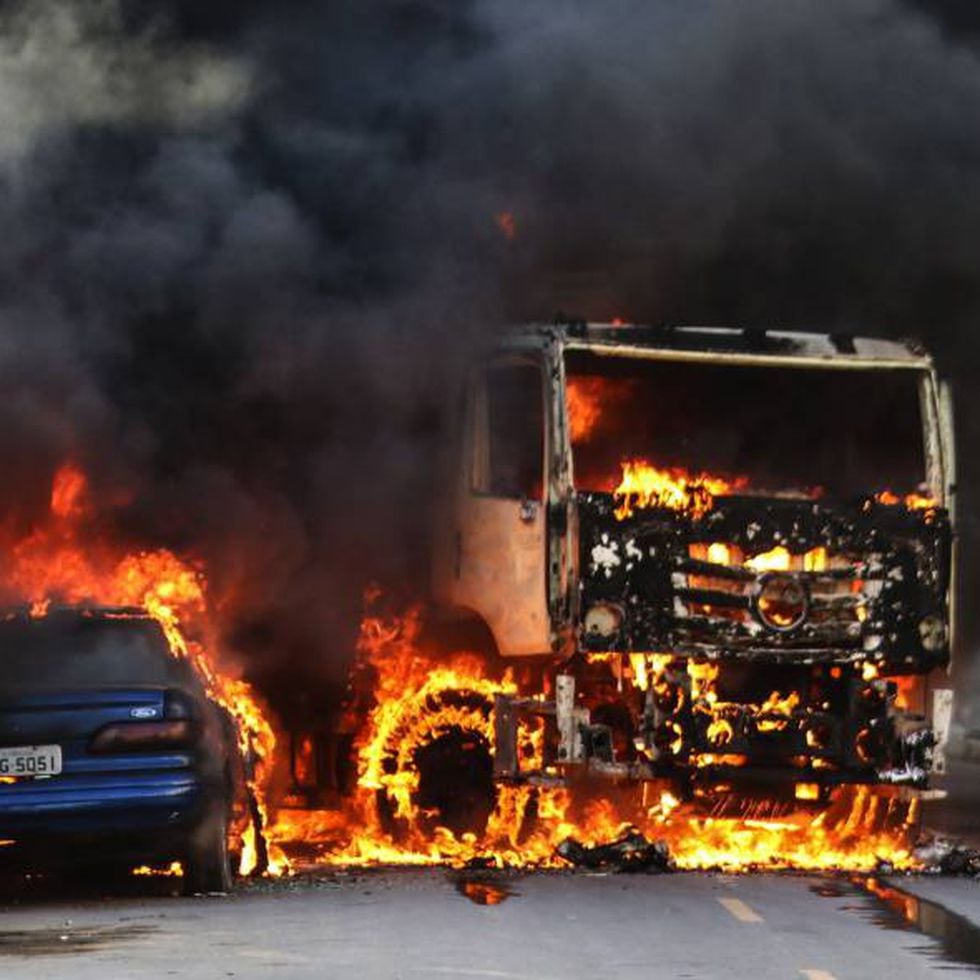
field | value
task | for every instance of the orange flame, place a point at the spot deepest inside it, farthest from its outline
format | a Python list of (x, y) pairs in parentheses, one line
[(173, 870), (590, 398), (61, 561), (911, 501), (584, 396), (644, 485)]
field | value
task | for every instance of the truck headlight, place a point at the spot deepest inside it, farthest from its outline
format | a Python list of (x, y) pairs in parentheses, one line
[(603, 619)]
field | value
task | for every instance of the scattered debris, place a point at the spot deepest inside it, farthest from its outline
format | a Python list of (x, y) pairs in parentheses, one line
[(631, 852), (961, 861), (946, 857)]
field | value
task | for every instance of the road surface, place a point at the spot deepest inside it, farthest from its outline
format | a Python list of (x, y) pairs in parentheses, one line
[(545, 926), (416, 924)]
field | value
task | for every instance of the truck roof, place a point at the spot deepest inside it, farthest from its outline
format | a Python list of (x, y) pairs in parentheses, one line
[(752, 345)]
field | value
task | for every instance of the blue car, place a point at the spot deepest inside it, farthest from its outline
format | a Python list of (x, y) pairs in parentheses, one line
[(111, 753)]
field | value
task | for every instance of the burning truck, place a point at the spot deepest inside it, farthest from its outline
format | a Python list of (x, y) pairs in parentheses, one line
[(709, 558)]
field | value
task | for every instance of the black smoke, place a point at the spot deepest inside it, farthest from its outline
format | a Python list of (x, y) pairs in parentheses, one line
[(246, 246)]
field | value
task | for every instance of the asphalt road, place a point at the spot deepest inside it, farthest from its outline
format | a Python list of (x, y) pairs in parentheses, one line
[(423, 924)]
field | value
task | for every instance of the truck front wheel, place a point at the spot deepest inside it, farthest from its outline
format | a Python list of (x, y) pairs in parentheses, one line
[(438, 766)]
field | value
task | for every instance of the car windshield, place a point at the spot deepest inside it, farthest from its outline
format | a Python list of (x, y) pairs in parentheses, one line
[(62, 652), (776, 430)]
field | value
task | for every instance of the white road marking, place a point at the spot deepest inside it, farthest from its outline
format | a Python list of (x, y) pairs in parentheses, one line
[(740, 910), (281, 955), (818, 975)]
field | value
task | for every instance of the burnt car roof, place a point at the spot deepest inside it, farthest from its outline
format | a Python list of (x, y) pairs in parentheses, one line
[(76, 647), (757, 345), (81, 610)]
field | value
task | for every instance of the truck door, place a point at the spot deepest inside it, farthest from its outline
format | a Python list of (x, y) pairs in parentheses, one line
[(500, 566)]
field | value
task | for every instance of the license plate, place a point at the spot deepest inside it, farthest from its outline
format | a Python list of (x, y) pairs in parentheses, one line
[(30, 761)]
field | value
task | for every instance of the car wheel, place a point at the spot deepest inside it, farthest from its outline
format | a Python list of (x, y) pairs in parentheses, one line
[(207, 864)]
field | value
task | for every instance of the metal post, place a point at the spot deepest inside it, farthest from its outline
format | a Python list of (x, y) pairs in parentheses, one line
[(505, 762), (565, 717)]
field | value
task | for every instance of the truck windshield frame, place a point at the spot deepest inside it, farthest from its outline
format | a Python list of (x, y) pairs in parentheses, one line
[(769, 429)]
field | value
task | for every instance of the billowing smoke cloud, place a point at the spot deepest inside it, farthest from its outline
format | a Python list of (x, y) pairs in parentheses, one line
[(246, 246)]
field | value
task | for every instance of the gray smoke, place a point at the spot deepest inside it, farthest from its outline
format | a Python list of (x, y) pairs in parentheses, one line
[(247, 246)]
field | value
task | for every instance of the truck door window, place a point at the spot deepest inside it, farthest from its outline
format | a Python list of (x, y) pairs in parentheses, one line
[(508, 445)]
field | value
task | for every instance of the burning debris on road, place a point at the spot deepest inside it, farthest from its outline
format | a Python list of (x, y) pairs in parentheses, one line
[(631, 852)]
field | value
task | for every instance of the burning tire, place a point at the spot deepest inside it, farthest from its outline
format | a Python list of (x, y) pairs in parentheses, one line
[(438, 767), (207, 863)]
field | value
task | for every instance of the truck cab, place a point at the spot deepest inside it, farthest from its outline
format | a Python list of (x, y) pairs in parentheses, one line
[(712, 554)]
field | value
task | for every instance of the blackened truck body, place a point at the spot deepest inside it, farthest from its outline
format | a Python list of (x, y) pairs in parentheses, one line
[(779, 613)]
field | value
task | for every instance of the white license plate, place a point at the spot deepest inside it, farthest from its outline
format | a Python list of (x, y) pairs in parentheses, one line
[(30, 761)]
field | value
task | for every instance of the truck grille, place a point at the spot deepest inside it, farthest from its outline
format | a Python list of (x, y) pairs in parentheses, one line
[(717, 588)]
